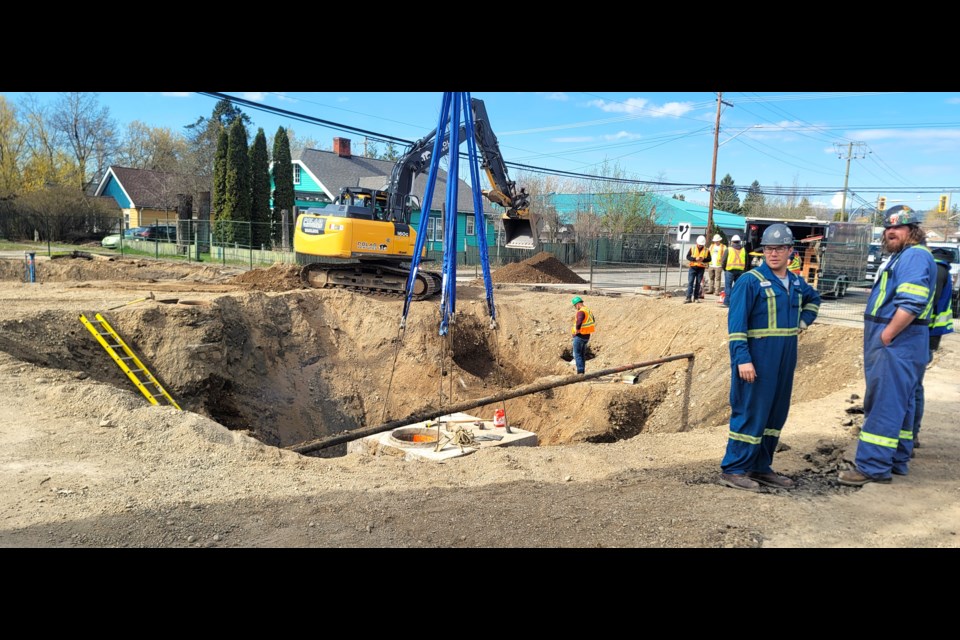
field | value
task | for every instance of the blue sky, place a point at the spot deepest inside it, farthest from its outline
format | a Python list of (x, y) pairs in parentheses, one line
[(903, 146)]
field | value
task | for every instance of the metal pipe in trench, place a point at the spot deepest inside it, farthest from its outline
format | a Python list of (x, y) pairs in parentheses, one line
[(323, 443)]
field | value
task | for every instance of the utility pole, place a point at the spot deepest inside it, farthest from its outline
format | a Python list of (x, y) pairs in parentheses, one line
[(713, 170), (846, 177)]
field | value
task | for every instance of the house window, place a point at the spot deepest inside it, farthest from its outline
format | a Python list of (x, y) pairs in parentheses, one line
[(471, 225), (435, 230), (296, 174)]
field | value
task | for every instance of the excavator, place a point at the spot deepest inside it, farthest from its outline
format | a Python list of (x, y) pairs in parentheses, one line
[(364, 240)]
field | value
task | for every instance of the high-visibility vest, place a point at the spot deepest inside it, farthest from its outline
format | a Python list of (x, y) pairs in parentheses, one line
[(588, 325), (736, 259), (699, 257), (716, 254), (796, 264), (941, 318)]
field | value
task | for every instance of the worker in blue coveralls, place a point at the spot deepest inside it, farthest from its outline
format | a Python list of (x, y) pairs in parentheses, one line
[(769, 308), (941, 323), (896, 349)]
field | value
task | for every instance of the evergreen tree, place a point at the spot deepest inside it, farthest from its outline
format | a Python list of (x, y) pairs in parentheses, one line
[(754, 205), (220, 174), (283, 196), (236, 200), (260, 191), (204, 134), (727, 198)]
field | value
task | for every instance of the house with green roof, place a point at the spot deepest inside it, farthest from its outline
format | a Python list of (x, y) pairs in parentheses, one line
[(668, 212)]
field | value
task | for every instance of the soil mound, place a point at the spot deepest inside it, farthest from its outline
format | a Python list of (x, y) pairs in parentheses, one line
[(541, 268), (279, 277)]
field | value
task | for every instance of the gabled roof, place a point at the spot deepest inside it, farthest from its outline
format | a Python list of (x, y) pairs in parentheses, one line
[(144, 187), (334, 172)]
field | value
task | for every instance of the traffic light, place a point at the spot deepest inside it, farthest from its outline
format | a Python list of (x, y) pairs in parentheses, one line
[(881, 203), (942, 206)]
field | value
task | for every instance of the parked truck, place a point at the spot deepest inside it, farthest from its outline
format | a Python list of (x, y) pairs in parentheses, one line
[(833, 254)]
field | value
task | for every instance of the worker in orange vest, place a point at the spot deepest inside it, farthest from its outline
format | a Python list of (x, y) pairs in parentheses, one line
[(697, 257), (584, 325)]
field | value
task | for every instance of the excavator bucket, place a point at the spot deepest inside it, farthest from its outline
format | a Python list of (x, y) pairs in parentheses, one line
[(522, 232)]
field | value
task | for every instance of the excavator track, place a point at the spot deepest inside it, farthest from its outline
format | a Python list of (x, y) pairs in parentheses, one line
[(371, 278)]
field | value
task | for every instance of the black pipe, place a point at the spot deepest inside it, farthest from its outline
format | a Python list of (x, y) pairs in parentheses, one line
[(323, 443)]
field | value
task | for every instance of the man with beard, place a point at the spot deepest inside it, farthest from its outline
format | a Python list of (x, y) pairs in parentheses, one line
[(896, 349)]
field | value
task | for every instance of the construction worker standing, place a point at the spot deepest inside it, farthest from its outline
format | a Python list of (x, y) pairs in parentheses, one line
[(715, 270), (734, 264), (769, 307), (941, 323), (583, 327), (796, 263), (697, 258), (896, 349)]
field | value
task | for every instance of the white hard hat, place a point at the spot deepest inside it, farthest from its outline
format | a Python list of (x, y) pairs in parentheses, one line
[(701, 240), (717, 238), (735, 239)]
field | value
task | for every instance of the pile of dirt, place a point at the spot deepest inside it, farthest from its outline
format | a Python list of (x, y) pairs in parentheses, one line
[(279, 277), (541, 268)]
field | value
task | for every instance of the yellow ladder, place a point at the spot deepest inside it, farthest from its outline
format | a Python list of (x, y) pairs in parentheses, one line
[(148, 385)]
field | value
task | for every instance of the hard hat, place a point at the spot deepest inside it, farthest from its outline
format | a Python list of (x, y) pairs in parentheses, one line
[(735, 239), (899, 215), (701, 240), (777, 234), (717, 238), (576, 299)]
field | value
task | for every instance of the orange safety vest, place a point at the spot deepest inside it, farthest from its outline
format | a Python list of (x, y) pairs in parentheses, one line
[(736, 259), (699, 257), (588, 325), (796, 265)]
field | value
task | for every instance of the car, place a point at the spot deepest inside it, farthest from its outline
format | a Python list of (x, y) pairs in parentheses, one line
[(874, 259), (158, 233), (113, 241)]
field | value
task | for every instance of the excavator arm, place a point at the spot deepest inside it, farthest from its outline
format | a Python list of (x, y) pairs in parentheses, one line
[(521, 227)]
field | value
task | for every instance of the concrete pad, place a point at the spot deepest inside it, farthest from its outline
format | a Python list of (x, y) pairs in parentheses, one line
[(481, 434)]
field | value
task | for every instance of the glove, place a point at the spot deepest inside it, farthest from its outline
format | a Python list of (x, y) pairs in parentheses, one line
[(803, 325)]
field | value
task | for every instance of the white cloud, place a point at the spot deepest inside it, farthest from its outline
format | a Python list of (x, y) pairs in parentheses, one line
[(643, 107), (837, 200), (557, 95), (256, 96), (622, 135), (953, 100), (285, 98), (175, 94), (343, 99)]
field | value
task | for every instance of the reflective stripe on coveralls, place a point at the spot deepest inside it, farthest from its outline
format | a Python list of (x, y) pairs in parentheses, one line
[(893, 372), (763, 324)]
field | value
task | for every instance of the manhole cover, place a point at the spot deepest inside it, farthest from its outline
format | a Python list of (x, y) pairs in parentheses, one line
[(414, 436)]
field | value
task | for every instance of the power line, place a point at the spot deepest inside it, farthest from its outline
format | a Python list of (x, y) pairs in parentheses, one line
[(680, 186)]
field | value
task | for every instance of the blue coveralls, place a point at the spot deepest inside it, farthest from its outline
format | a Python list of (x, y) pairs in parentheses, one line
[(763, 324), (941, 323), (893, 372)]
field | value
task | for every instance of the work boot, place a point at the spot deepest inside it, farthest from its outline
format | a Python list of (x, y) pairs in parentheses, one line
[(854, 478), (739, 481), (687, 301), (774, 480)]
